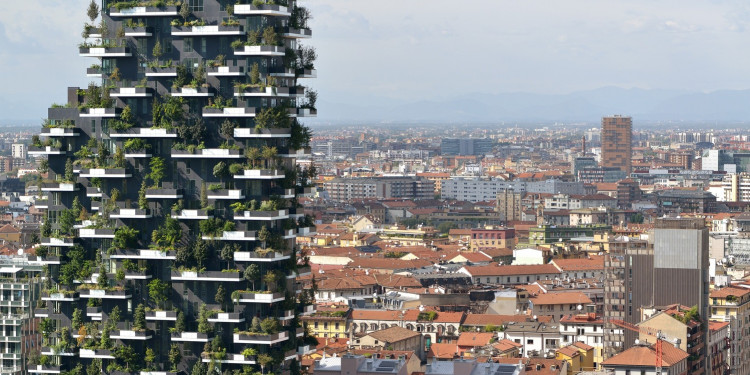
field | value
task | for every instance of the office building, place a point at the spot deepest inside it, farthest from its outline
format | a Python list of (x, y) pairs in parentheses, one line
[(616, 142), (171, 240), (465, 146), (509, 204), (21, 284), (582, 162), (481, 190), (19, 151), (592, 175), (346, 189)]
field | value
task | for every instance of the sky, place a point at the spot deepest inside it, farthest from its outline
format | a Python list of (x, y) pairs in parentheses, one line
[(436, 49)]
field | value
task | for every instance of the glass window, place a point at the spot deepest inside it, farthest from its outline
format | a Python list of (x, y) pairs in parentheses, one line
[(187, 45), (196, 5)]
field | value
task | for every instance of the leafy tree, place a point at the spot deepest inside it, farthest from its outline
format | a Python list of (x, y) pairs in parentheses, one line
[(157, 51), (252, 154), (105, 342), (192, 132), (204, 195), (204, 326), (69, 176), (46, 229), (126, 354), (270, 278), (95, 367), (114, 317), (150, 359), (119, 157), (103, 280), (263, 236), (125, 238), (252, 274), (184, 255), (158, 291), (227, 252), (198, 369), (255, 325), (158, 170), (312, 98), (221, 296), (200, 252), (199, 75), (139, 318), (184, 10), (220, 169), (67, 222), (264, 360), (93, 11), (142, 201), (227, 129), (269, 154), (179, 325), (637, 218), (269, 36), (77, 319), (255, 74), (167, 235), (269, 325)]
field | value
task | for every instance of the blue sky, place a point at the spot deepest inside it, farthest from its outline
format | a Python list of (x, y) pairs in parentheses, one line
[(435, 49)]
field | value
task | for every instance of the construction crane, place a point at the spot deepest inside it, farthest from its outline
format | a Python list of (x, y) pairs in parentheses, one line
[(660, 337)]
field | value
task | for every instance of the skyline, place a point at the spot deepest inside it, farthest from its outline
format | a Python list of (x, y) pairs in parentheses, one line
[(373, 55)]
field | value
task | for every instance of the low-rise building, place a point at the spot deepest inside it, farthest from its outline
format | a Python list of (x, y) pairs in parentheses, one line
[(393, 338), (641, 360), (587, 329)]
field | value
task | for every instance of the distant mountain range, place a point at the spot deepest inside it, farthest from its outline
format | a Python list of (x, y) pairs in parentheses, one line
[(645, 106)]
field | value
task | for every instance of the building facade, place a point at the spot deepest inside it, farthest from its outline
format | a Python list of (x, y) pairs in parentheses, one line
[(346, 189), (172, 185), (21, 284), (465, 146), (617, 150)]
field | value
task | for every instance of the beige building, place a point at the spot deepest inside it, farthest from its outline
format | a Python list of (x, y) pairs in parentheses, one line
[(393, 338)]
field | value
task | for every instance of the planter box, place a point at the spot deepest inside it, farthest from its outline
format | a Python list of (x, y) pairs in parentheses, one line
[(137, 275), (226, 71), (137, 32), (42, 313), (236, 235), (95, 313), (46, 150), (94, 192), (59, 132), (229, 112), (305, 350), (52, 241), (290, 32), (60, 297), (200, 92), (288, 315), (260, 297), (163, 193), (270, 91), (191, 215), (260, 174), (208, 30), (95, 73), (39, 369), (130, 92), (240, 338), (104, 294), (262, 133), (227, 318), (50, 259), (129, 213), (282, 72), (307, 73), (144, 12), (96, 233), (304, 112), (225, 194), (98, 353), (99, 112), (262, 215), (161, 315), (236, 359), (104, 52), (130, 335), (206, 276), (263, 10), (137, 154), (41, 204), (304, 271), (254, 256), (105, 173), (260, 51), (306, 231), (52, 352), (189, 337), (144, 133), (208, 153), (144, 254), (161, 72)]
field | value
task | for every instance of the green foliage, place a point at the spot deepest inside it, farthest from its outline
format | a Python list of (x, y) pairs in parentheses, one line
[(139, 318), (221, 169), (427, 315), (201, 252), (269, 36), (179, 325), (142, 201), (158, 170), (255, 74), (69, 176), (125, 238), (252, 274), (175, 354), (204, 326), (167, 235), (269, 326), (273, 117), (136, 144), (227, 129), (157, 51), (300, 136), (184, 10), (158, 291), (93, 11)]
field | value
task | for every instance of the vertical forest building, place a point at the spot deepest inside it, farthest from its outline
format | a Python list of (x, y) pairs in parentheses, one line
[(169, 238)]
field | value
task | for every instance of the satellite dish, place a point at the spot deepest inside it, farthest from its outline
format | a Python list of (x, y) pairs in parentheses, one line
[(579, 307), (421, 308), (637, 342), (535, 317)]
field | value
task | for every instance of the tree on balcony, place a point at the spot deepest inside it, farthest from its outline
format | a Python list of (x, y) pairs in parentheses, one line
[(158, 292), (139, 318), (175, 353), (252, 274), (158, 170)]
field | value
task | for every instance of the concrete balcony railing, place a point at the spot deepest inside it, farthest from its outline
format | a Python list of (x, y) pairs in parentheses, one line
[(99, 112), (282, 72), (207, 30), (309, 310), (192, 92), (292, 33), (217, 276), (130, 213), (137, 275), (305, 350), (307, 73), (105, 294), (191, 215), (139, 32), (130, 92), (144, 133), (47, 260), (227, 318), (226, 71), (53, 241), (261, 339), (95, 73), (229, 112), (104, 52), (208, 153), (52, 352), (189, 337), (163, 193), (235, 359), (40, 369), (95, 313), (260, 174), (260, 297), (262, 215), (161, 72), (304, 271), (236, 235), (105, 173), (233, 194), (262, 10), (287, 315), (46, 150), (304, 112), (130, 335), (260, 51), (306, 231), (59, 132), (262, 133), (142, 153), (96, 233), (60, 296), (96, 353), (270, 91), (255, 256), (167, 11), (143, 254), (170, 316), (94, 192)]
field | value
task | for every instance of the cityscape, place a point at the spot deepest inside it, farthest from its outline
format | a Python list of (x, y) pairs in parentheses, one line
[(188, 210)]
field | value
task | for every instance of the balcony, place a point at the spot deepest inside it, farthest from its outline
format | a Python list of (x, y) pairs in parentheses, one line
[(105, 173), (262, 215), (99, 112), (305, 350), (138, 32), (288, 315), (208, 30), (96, 233), (143, 254), (169, 316), (144, 12), (163, 193), (41, 204), (39, 369), (137, 275), (233, 236), (66, 296), (95, 73), (234, 194), (161, 72), (47, 150), (53, 241), (43, 313), (296, 153), (130, 213), (95, 313), (260, 174), (130, 335), (260, 297), (303, 271), (262, 133), (189, 337), (218, 276), (270, 91), (60, 132), (191, 215), (306, 231), (50, 259), (144, 133), (137, 154), (236, 359), (96, 353), (104, 52), (192, 92), (130, 92), (93, 192), (256, 256), (227, 318), (229, 112), (208, 153), (282, 72), (262, 339), (292, 33), (104, 294), (309, 310), (263, 10), (304, 112), (260, 51), (307, 73), (226, 71)]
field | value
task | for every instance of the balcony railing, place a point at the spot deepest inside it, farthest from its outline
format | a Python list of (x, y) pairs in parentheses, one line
[(229, 112), (105, 294), (192, 92), (260, 51), (226, 71), (144, 12), (260, 174), (138, 32), (189, 337), (163, 193), (40, 369), (225, 194), (59, 132), (143, 254), (144, 133), (161, 315), (96, 353), (260, 297), (208, 30), (262, 133), (46, 150), (161, 72), (262, 10), (262, 215), (208, 153), (104, 52), (99, 112), (130, 92), (130, 335), (96, 233), (53, 241), (290, 32), (130, 213), (255, 256), (105, 173), (227, 318), (206, 276), (191, 214), (262, 339), (237, 235)]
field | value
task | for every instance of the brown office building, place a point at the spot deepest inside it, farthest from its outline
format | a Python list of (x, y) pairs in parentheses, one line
[(616, 142)]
